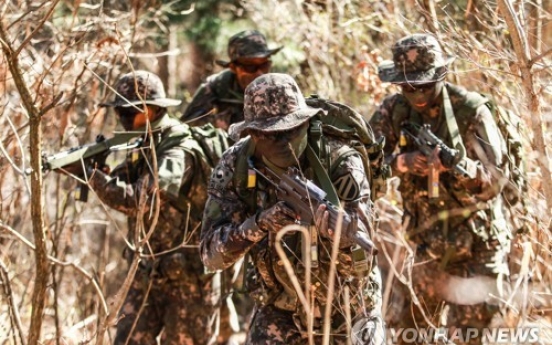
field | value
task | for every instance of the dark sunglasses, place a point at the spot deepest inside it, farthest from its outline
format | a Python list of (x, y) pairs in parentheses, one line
[(254, 68), (409, 88), (127, 111), (278, 136)]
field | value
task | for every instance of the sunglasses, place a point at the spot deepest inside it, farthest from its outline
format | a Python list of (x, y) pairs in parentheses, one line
[(409, 88), (254, 68), (285, 136), (127, 111)]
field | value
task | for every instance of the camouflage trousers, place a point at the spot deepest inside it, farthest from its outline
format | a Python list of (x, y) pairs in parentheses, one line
[(182, 310), (273, 326), (237, 308)]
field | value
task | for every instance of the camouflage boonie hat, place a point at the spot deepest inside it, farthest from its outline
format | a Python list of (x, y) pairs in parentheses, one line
[(150, 91), (247, 44), (417, 59), (273, 103)]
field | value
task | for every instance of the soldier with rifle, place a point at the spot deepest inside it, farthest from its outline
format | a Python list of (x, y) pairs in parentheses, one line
[(162, 188), (444, 144), (219, 100), (271, 179)]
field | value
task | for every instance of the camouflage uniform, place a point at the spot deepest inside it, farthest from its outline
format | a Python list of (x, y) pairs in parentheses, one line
[(232, 229), (220, 94), (182, 300), (463, 232)]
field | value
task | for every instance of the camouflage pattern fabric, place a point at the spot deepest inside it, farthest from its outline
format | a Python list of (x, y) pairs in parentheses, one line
[(273, 103), (464, 232), (230, 231), (182, 297), (176, 308), (248, 44), (140, 87), (417, 59), (219, 100)]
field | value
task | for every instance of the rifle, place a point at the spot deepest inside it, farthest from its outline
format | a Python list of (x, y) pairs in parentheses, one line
[(94, 153), (304, 197), (427, 142)]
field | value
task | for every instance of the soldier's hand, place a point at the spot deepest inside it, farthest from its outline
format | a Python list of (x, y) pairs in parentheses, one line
[(322, 217), (276, 217), (412, 162)]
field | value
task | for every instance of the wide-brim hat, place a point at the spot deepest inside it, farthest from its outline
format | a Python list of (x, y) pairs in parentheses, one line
[(273, 103), (417, 59), (140, 87), (247, 44)]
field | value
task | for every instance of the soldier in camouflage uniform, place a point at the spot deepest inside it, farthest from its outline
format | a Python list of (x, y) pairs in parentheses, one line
[(219, 100), (243, 215), (460, 233), (179, 300)]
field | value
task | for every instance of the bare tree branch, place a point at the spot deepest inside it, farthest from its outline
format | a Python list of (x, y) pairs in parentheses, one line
[(41, 263), (523, 53)]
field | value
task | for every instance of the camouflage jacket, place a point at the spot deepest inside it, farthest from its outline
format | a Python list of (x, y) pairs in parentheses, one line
[(467, 210), (230, 231), (181, 175), (221, 96)]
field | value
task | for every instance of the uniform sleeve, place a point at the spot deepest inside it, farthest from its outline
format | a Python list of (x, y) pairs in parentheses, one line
[(353, 190), (174, 168), (382, 125), (484, 148), (202, 103), (228, 229)]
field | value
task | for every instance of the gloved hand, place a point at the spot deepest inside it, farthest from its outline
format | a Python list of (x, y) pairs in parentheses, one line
[(412, 162), (276, 217), (322, 225)]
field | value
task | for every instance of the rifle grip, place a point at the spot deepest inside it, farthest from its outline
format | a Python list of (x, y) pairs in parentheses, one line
[(81, 193)]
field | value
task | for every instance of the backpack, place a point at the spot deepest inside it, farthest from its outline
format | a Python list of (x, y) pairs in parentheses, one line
[(511, 129), (213, 142), (346, 124)]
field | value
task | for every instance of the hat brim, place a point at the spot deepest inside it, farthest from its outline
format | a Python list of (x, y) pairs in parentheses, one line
[(274, 124), (389, 74), (160, 102), (264, 54)]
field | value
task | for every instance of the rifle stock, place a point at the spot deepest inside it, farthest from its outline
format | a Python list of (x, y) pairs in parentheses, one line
[(304, 197)]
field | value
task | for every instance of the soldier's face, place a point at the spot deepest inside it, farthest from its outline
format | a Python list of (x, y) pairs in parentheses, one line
[(422, 97), (281, 148), (132, 118), (247, 69)]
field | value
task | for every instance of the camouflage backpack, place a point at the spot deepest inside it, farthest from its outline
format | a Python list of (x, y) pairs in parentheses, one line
[(511, 128), (346, 124)]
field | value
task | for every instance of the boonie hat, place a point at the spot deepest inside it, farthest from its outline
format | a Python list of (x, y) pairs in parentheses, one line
[(247, 44), (140, 87), (417, 59), (272, 103)]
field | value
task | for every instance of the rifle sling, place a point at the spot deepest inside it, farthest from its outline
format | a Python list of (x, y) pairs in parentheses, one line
[(452, 125), (323, 177)]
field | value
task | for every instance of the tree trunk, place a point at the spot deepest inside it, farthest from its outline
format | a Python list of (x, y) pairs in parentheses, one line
[(41, 263)]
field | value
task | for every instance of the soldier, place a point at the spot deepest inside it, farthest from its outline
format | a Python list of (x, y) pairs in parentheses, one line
[(454, 214), (171, 294), (219, 100), (243, 216)]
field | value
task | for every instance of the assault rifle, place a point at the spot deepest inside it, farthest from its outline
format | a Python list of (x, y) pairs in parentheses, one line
[(75, 159), (427, 142), (304, 197)]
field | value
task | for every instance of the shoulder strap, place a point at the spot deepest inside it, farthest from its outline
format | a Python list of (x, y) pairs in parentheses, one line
[(323, 177), (452, 126)]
